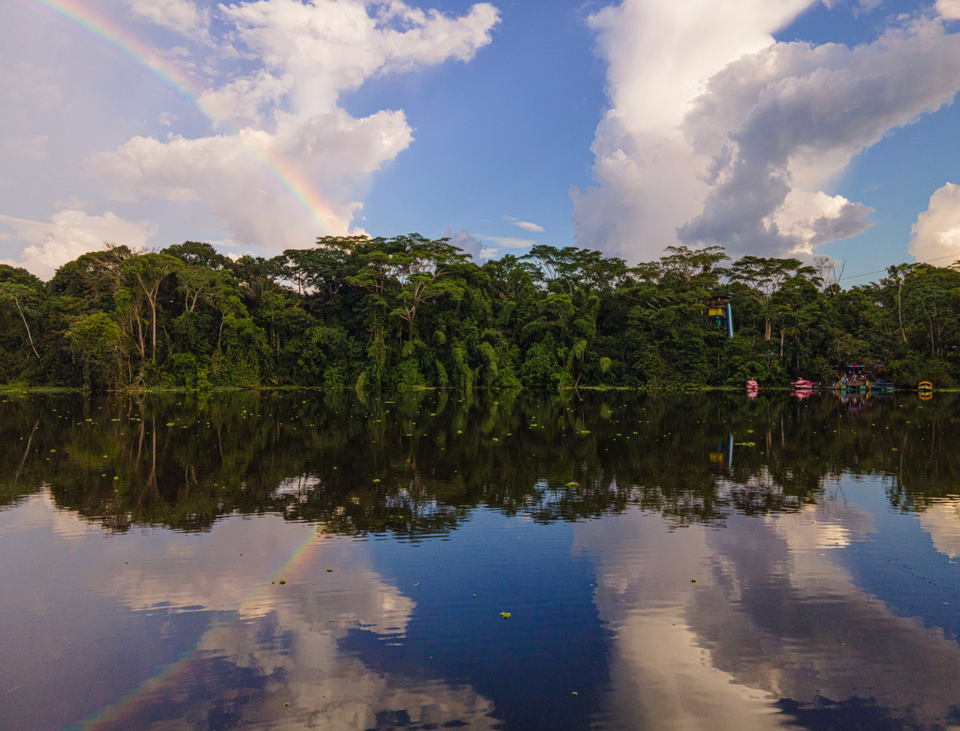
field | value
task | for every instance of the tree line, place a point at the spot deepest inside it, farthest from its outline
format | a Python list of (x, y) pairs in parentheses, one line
[(413, 312)]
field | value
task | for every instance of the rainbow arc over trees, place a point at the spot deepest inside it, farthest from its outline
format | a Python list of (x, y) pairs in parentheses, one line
[(104, 28)]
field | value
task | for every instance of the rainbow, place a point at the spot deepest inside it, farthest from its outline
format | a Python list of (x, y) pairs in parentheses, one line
[(123, 712), (104, 28)]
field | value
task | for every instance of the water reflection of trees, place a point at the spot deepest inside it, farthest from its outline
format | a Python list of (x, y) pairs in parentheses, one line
[(417, 464)]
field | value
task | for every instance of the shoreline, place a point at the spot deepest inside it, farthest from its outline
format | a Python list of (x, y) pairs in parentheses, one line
[(53, 390)]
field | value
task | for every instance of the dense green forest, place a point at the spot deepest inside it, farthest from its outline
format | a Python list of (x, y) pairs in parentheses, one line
[(410, 312)]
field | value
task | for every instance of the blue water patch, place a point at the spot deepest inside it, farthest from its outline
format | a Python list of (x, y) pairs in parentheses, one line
[(544, 667), (900, 565)]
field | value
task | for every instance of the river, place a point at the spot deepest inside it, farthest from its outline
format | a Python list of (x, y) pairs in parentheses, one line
[(592, 560)]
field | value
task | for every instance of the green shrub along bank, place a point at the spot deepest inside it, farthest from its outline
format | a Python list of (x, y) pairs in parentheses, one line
[(412, 312)]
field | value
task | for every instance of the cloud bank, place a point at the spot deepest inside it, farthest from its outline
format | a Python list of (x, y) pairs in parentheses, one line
[(287, 111), (273, 155), (717, 134), (936, 234), (68, 235)]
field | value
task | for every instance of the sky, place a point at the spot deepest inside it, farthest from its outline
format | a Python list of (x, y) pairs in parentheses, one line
[(769, 127)]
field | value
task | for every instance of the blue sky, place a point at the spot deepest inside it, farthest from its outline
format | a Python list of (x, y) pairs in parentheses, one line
[(770, 127)]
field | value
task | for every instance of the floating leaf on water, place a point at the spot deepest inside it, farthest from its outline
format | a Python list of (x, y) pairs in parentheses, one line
[(506, 615), (376, 479), (573, 484), (693, 581), (282, 582), (329, 571)]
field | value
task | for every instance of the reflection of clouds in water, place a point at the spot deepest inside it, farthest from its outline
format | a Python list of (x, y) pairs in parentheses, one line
[(39, 511), (800, 628), (326, 688), (807, 538), (771, 615), (662, 677), (269, 644), (230, 569), (289, 641), (942, 521)]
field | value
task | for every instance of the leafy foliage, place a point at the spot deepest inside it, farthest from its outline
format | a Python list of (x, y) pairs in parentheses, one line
[(412, 312)]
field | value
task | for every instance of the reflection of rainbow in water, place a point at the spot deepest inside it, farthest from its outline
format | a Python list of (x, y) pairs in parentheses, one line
[(104, 28), (124, 710)]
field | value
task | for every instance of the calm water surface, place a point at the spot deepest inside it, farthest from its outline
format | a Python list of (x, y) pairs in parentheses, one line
[(305, 560)]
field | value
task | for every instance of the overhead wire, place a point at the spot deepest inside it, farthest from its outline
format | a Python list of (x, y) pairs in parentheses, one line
[(884, 271)]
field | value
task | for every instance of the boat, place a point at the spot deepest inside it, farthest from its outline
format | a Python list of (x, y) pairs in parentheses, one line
[(854, 380), (802, 384)]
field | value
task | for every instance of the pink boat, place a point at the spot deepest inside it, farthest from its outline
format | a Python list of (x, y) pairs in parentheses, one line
[(803, 384)]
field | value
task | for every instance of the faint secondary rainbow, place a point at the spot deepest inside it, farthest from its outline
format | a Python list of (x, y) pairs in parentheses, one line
[(113, 34), (126, 710)]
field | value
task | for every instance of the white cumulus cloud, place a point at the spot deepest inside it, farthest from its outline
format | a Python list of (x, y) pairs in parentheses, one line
[(659, 56), (949, 9), (527, 226), (180, 16), (508, 242), (466, 243), (796, 115), (68, 235), (725, 136), (246, 178), (299, 162), (936, 234)]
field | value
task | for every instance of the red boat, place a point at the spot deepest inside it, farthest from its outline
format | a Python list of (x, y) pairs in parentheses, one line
[(802, 384)]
